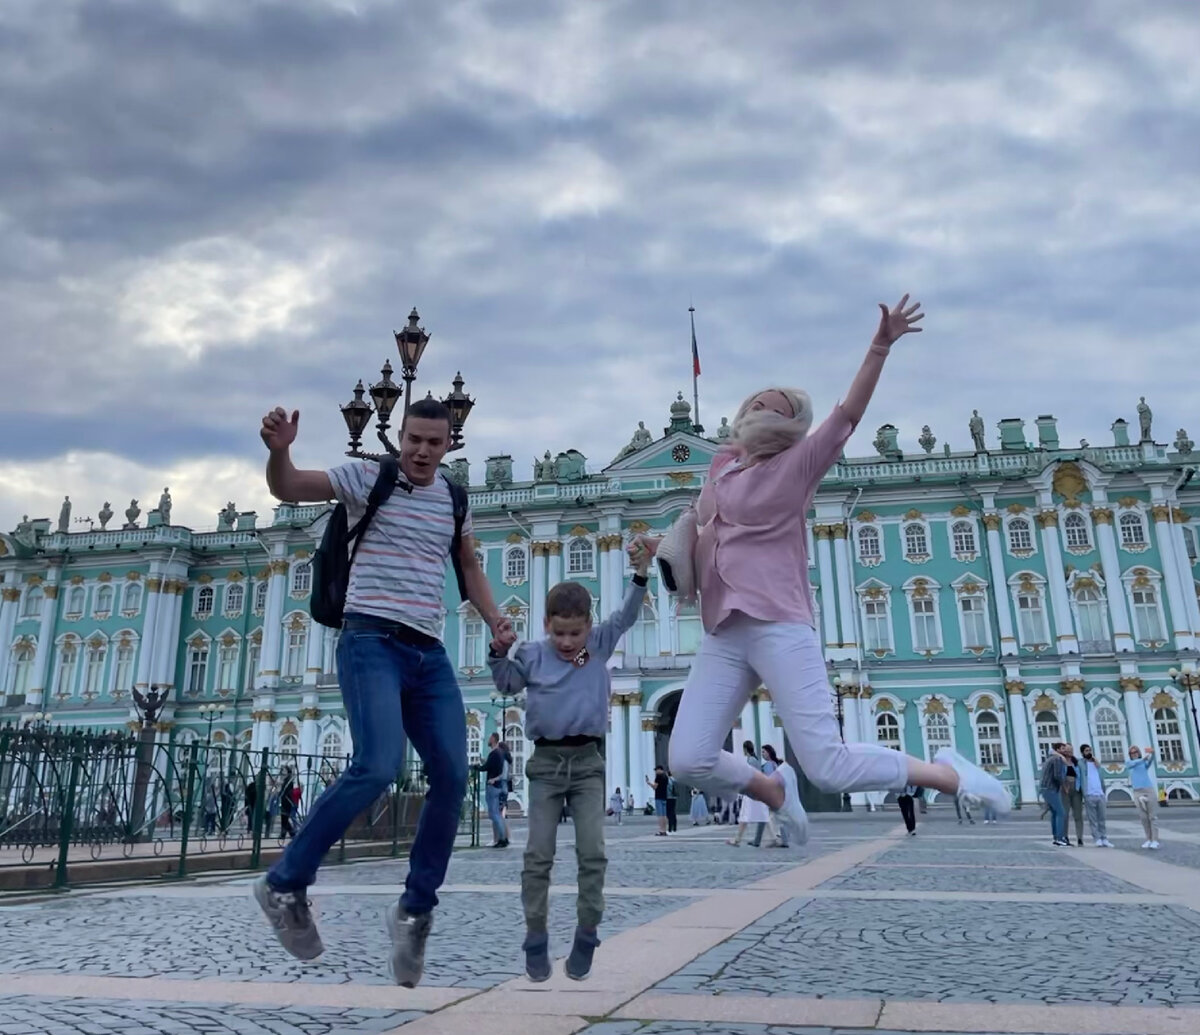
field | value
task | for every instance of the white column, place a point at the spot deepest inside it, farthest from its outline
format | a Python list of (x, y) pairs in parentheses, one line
[(1008, 642), (633, 746), (766, 731), (328, 648), (9, 598), (665, 606), (1020, 734), (747, 730), (1064, 625), (310, 767), (607, 602), (1186, 579), (171, 615), (616, 745), (151, 598), (1180, 617), (1136, 718), (272, 644), (554, 565), (1077, 723), (537, 590), (845, 588), (315, 650), (827, 579), (1114, 590), (641, 792), (38, 685)]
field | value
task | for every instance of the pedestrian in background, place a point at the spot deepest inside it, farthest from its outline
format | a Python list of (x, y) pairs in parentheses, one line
[(1094, 800), (1051, 784), (1072, 791), (908, 808), (1141, 782)]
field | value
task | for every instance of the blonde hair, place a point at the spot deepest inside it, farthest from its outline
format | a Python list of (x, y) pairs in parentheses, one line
[(761, 434)]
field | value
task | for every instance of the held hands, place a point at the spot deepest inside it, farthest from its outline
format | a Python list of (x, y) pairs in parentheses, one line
[(278, 431), (895, 323), (641, 550), (503, 636)]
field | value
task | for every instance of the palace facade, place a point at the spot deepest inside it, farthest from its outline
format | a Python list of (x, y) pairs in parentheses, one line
[(997, 600)]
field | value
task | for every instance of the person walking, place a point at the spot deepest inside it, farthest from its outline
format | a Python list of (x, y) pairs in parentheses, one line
[(962, 807), (249, 800), (1145, 794), (211, 789), (1094, 800), (778, 831), (397, 682), (908, 808), (672, 804), (659, 783), (616, 806), (1072, 791), (1051, 784), (699, 810), (494, 768), (751, 566)]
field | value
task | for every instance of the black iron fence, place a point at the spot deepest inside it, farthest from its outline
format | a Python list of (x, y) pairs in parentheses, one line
[(73, 801)]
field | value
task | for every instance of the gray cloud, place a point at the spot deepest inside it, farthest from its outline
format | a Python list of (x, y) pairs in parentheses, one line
[(211, 207)]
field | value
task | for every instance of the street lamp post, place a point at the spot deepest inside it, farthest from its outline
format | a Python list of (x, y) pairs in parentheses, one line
[(385, 393), (211, 712), (149, 706), (1190, 681), (838, 685), (39, 721)]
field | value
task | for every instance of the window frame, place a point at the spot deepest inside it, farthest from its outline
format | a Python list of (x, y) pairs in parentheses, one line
[(1130, 519), (995, 740), (962, 547), (1076, 519), (911, 555), (875, 531), (572, 544), (1024, 525), (516, 552)]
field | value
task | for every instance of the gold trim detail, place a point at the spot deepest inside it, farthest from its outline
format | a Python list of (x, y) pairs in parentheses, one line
[(309, 714), (1074, 685), (1102, 516), (1134, 683), (1015, 687), (991, 522), (1047, 519)]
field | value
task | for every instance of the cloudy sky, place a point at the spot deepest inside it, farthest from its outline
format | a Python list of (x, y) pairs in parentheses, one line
[(211, 206)]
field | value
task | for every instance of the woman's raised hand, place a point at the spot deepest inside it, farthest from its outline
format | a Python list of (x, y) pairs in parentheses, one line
[(895, 323)]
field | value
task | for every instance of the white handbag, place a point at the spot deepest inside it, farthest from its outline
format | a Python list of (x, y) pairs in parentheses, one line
[(676, 557)]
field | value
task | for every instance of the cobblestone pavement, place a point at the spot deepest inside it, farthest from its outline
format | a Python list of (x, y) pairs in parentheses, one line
[(699, 937)]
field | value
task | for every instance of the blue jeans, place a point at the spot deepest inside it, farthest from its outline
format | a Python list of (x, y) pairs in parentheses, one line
[(494, 799), (395, 683), (1058, 813)]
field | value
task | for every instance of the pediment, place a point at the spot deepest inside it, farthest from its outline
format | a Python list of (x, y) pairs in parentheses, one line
[(659, 456)]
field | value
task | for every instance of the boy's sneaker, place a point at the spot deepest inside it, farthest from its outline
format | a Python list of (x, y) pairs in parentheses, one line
[(1155, 845), (792, 812), (1147, 844), (290, 916), (408, 934), (579, 963), (975, 782), (537, 955)]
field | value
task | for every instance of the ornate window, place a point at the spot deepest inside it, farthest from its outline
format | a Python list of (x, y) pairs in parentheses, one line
[(1110, 739), (1189, 542), (235, 598), (75, 601), (1149, 622), (916, 541), (1133, 530), (260, 597), (104, 601), (887, 730), (580, 557), (123, 666), (302, 579), (877, 622), (924, 621), (1091, 619), (331, 745), (1048, 732), (131, 599), (22, 665), (1076, 534), (937, 734), (227, 659), (514, 737), (1030, 600), (870, 544), (204, 601), (989, 740), (33, 602), (93, 671), (688, 629), (642, 639), (68, 659), (474, 744), (197, 666), (295, 646), (514, 565), (962, 537), (1168, 738), (1020, 537), (253, 654), (973, 614), (474, 644)]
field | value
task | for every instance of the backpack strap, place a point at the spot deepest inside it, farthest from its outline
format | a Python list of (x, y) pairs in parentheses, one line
[(381, 492), (458, 498)]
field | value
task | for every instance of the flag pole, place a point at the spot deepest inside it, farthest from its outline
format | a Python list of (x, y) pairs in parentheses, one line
[(695, 373)]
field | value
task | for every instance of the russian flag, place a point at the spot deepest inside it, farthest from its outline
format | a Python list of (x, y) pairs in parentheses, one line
[(695, 350)]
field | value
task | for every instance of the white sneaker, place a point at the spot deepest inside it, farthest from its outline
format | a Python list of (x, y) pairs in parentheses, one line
[(1099, 843), (1155, 845), (792, 811), (1106, 843), (974, 781), (1147, 844)]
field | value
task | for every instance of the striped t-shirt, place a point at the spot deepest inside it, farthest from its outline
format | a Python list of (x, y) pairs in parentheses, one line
[(399, 572)]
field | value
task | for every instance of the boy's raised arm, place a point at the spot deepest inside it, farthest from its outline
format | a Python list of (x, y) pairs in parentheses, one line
[(509, 674), (622, 620)]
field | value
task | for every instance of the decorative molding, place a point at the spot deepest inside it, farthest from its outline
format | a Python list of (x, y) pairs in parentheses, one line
[(1162, 699), (50, 591), (1047, 519), (554, 549), (262, 715), (649, 724), (681, 477), (278, 567), (1102, 516), (1015, 687), (76, 580), (301, 555), (514, 537), (991, 522), (1045, 703), (104, 576), (1128, 502), (1015, 508), (308, 714), (838, 531), (1134, 683), (865, 516), (34, 580), (11, 594), (1160, 512), (961, 511), (822, 531), (579, 530), (204, 580), (913, 515), (234, 576), (1180, 516), (638, 527), (1072, 685)]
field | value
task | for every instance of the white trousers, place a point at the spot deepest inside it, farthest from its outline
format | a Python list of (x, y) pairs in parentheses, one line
[(785, 658)]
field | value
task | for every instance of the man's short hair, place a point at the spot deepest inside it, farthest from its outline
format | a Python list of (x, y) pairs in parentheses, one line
[(568, 600), (1057, 744), (429, 409)]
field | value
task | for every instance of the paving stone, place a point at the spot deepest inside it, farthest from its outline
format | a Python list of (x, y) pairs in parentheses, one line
[(1081, 880)]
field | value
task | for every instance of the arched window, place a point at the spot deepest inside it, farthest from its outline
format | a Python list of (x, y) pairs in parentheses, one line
[(688, 630), (260, 597), (204, 601), (1167, 736), (227, 659), (973, 608), (235, 598), (1020, 536), (1133, 530), (1031, 615), (331, 745), (579, 557), (33, 602), (1075, 529), (197, 666), (887, 730), (1147, 621), (302, 579), (642, 640), (296, 632), (22, 666), (877, 624), (289, 750), (474, 647), (514, 737), (68, 659), (75, 601), (123, 666), (1048, 732), (93, 672), (104, 601), (988, 738), (253, 654), (916, 542), (474, 744), (131, 598), (1091, 616), (514, 564), (869, 543), (1110, 744), (937, 734), (963, 535)]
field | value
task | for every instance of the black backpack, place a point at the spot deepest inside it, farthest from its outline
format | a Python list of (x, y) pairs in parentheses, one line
[(335, 556)]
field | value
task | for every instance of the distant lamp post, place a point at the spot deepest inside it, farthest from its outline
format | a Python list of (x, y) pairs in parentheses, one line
[(840, 689), (211, 712), (385, 393), (39, 721), (1190, 681), (502, 701)]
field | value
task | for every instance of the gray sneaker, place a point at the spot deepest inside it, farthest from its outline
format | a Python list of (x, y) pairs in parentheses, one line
[(289, 915), (408, 934)]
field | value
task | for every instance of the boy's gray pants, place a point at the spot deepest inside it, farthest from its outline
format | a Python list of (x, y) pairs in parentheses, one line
[(574, 775)]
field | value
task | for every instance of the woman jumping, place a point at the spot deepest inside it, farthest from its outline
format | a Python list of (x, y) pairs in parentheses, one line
[(751, 568)]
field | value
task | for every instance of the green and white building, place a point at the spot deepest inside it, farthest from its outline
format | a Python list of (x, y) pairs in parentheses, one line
[(997, 600)]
